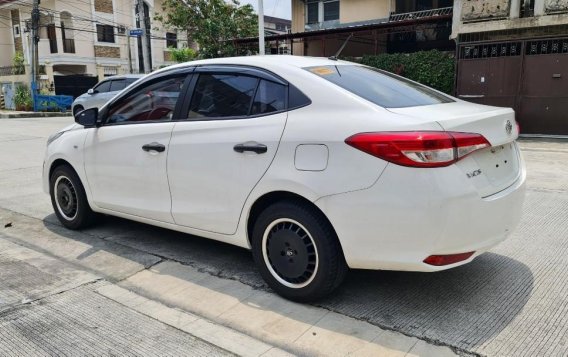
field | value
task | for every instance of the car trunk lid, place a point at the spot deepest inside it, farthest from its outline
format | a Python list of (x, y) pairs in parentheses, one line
[(492, 169)]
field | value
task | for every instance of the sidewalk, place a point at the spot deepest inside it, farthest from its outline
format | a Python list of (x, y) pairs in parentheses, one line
[(50, 307), (80, 287), (13, 114)]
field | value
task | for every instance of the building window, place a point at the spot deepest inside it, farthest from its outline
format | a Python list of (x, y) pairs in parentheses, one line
[(171, 40), (312, 12), (527, 8), (331, 10), (105, 33), (318, 11)]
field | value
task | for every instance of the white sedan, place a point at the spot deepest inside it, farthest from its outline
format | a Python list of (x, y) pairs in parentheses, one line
[(316, 165)]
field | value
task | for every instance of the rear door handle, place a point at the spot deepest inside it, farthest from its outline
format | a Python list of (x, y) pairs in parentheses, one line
[(154, 147), (251, 146)]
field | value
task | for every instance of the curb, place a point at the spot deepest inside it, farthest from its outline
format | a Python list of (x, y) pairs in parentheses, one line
[(34, 115), (215, 334)]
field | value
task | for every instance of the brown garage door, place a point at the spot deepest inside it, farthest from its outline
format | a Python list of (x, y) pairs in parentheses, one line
[(529, 76), (543, 102)]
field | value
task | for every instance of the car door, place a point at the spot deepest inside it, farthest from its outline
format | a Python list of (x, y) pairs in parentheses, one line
[(220, 152), (125, 158)]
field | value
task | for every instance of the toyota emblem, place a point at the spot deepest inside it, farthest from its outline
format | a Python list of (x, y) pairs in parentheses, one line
[(509, 127)]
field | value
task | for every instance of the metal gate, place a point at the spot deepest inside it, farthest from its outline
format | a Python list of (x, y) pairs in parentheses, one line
[(8, 92), (529, 76), (73, 85)]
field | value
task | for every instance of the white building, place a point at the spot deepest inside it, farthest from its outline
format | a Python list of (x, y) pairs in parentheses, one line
[(82, 41)]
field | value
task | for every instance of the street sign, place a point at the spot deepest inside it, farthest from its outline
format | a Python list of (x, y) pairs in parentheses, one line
[(135, 32)]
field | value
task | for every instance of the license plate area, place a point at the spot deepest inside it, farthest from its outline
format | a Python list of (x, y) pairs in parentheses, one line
[(492, 169)]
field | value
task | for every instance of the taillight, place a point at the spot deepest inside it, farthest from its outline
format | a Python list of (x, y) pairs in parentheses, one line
[(419, 148)]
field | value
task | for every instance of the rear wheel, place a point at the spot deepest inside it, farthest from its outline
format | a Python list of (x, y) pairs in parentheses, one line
[(69, 200), (297, 251)]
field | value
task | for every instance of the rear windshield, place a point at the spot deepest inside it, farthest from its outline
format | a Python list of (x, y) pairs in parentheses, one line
[(380, 87)]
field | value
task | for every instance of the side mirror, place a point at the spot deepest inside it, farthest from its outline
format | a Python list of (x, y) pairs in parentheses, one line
[(88, 117), (91, 91)]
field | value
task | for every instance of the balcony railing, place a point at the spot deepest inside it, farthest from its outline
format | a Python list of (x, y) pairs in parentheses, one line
[(69, 45), (420, 14)]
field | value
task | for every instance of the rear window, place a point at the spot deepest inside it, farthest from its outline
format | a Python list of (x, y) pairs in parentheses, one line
[(380, 87)]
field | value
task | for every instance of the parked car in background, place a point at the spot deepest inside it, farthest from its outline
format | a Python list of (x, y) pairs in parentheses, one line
[(316, 165), (104, 91)]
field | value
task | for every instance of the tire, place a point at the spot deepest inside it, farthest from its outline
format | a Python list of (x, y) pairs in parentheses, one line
[(297, 251), (69, 200), (77, 109)]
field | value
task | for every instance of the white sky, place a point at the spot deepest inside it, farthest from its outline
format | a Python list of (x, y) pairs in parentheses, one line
[(276, 8)]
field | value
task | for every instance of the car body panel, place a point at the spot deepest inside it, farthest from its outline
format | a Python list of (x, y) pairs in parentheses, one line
[(209, 181), (124, 178), (412, 213)]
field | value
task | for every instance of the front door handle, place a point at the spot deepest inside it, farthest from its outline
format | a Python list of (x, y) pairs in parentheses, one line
[(154, 147), (251, 146)]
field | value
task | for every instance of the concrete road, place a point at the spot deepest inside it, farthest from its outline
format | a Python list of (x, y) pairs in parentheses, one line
[(511, 301)]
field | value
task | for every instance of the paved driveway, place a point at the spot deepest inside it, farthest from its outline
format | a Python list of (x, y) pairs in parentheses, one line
[(510, 301)]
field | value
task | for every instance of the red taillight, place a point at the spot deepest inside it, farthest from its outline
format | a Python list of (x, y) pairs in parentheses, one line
[(419, 148), (439, 260)]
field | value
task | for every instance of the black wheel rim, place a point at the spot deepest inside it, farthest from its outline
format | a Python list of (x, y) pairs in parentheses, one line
[(66, 198), (290, 253)]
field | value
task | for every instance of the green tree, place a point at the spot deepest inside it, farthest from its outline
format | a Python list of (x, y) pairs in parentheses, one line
[(210, 23), (185, 54)]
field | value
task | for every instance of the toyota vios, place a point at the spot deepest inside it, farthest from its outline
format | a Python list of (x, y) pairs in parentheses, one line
[(316, 165)]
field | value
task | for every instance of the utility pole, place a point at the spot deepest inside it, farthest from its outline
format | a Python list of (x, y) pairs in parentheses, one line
[(260, 27), (129, 51), (35, 52), (143, 38)]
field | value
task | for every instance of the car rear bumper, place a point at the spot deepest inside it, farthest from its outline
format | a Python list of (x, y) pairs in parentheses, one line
[(410, 214)]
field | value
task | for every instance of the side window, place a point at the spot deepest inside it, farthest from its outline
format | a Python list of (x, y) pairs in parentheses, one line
[(129, 81), (118, 84), (153, 101), (270, 97), (222, 95), (103, 87)]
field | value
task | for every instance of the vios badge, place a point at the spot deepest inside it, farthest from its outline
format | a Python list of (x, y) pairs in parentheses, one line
[(509, 127), (473, 173)]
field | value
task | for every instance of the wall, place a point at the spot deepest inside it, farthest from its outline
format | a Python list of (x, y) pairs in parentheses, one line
[(6, 39), (362, 10), (472, 16)]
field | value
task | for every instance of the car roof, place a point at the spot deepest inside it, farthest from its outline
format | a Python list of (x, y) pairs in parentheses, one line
[(266, 61), (124, 76)]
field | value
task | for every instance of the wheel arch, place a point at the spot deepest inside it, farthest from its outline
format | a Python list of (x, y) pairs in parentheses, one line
[(262, 202), (62, 162)]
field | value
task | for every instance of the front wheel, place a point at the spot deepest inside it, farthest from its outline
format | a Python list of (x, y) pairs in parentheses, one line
[(69, 200), (297, 251)]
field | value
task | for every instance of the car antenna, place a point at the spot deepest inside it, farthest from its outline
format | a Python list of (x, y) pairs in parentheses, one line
[(336, 55)]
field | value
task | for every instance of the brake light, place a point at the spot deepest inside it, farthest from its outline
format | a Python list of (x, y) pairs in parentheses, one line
[(419, 148)]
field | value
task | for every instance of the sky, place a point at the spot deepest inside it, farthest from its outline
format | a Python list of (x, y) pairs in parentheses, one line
[(276, 8)]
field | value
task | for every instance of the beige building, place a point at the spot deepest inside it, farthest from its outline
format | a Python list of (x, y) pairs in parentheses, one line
[(81, 41), (320, 27), (514, 53)]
